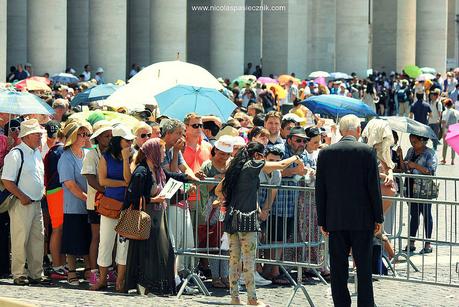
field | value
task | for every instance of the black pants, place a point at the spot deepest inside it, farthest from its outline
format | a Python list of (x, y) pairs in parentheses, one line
[(4, 244), (340, 244)]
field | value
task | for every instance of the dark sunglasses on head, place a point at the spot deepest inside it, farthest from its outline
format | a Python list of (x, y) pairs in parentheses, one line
[(299, 140), (196, 126), (145, 135), (85, 134)]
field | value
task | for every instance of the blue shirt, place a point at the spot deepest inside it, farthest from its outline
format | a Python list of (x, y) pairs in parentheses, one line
[(427, 159), (69, 168), (420, 110), (115, 172), (284, 204)]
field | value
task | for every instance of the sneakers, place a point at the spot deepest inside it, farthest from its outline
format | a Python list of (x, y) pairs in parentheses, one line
[(93, 277), (111, 277), (59, 274), (40, 281), (259, 280)]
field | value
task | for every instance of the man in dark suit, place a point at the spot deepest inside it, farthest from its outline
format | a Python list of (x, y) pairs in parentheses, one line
[(349, 209)]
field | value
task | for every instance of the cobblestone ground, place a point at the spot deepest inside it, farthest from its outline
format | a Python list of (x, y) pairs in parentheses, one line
[(387, 293), (440, 266)]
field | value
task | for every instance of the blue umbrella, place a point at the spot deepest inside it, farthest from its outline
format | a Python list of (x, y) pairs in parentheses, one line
[(64, 78), (180, 100), (408, 125), (99, 92), (337, 106), (21, 103)]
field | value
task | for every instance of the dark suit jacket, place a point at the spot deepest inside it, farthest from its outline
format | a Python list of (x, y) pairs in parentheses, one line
[(348, 195)]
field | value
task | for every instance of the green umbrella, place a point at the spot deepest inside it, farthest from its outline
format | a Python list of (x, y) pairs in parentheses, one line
[(412, 71), (245, 79)]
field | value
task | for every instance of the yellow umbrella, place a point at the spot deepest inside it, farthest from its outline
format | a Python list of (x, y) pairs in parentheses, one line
[(32, 85), (279, 90), (284, 79)]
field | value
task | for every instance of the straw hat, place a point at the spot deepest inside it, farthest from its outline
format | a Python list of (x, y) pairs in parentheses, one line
[(30, 126), (100, 127), (71, 131), (228, 130)]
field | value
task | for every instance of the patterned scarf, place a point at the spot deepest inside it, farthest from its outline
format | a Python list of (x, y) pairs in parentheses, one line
[(152, 151)]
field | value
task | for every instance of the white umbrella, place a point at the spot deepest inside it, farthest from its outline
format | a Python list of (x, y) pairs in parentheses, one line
[(428, 70), (424, 77), (340, 75), (158, 78), (319, 74)]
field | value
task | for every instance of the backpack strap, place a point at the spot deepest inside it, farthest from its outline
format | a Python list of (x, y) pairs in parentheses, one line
[(22, 164)]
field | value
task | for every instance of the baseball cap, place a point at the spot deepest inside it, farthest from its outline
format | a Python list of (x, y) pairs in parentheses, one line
[(52, 127), (297, 131)]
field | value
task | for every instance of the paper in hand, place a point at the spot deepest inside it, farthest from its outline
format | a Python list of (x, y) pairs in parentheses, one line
[(171, 188)]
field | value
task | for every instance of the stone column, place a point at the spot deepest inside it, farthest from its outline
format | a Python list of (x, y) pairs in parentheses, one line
[(3, 33), (168, 30), (297, 38), (252, 42), (138, 33), (431, 34), (352, 36), (17, 32), (47, 36), (452, 43), (226, 50), (384, 35), (197, 42), (78, 34), (406, 34), (322, 35), (275, 40), (107, 37)]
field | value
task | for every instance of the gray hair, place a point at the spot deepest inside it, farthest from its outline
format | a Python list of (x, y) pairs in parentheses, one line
[(170, 125), (349, 123)]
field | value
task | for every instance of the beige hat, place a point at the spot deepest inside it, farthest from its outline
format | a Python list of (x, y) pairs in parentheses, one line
[(100, 127), (71, 131), (123, 132), (30, 126), (228, 130)]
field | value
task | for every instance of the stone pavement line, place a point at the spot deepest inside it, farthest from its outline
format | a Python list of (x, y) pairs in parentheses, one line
[(387, 293)]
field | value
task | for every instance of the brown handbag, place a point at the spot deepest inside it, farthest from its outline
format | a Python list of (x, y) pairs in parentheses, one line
[(134, 224), (108, 207)]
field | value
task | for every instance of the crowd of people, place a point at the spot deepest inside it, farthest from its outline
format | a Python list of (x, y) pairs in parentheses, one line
[(64, 171)]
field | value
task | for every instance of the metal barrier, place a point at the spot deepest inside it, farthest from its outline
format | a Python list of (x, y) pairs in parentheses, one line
[(293, 242)]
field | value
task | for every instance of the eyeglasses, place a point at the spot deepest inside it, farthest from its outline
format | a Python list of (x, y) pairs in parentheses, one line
[(304, 141), (145, 135), (85, 134), (196, 126), (15, 129)]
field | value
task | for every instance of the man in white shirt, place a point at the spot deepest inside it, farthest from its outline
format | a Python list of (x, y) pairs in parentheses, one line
[(434, 119), (87, 72), (26, 219)]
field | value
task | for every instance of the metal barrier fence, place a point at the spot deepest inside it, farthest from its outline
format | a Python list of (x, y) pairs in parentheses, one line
[(290, 240)]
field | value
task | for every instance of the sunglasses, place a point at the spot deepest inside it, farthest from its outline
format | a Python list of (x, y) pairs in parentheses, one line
[(15, 129), (304, 141), (239, 119), (87, 135), (196, 126), (145, 135)]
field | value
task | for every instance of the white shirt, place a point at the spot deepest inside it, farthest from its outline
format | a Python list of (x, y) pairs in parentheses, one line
[(91, 167), (87, 75), (436, 107), (32, 181)]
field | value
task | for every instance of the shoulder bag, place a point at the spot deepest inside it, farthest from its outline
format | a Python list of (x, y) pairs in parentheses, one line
[(5, 196), (134, 224)]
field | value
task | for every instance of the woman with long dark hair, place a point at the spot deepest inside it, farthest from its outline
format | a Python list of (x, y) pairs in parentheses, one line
[(150, 263), (239, 190)]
